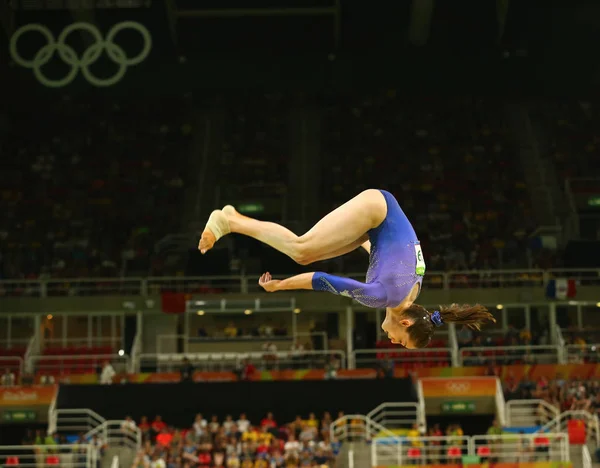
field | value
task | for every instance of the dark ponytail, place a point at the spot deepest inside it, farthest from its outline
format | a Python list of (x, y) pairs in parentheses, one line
[(472, 316), (425, 322)]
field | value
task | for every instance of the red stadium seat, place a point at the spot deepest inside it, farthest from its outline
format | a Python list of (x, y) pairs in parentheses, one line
[(12, 461), (52, 460), (483, 451), (414, 452)]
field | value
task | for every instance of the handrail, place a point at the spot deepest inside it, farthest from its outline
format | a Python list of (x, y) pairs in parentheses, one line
[(592, 422), (561, 343), (136, 349), (500, 404), (233, 358), (392, 414), (115, 462), (108, 433), (529, 350), (375, 427), (586, 457), (512, 405), (235, 283)]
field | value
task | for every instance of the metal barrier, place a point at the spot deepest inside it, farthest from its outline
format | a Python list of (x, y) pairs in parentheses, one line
[(435, 357), (68, 456), (240, 284), (576, 354), (74, 421), (586, 457), (529, 413), (389, 449), (12, 363), (85, 363), (503, 355), (419, 450), (117, 433), (560, 424), (519, 448), (232, 361), (396, 415)]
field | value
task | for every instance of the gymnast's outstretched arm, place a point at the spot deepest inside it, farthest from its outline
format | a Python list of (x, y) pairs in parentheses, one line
[(367, 294)]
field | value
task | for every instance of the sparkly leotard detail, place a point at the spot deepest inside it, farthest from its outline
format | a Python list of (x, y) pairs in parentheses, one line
[(393, 264)]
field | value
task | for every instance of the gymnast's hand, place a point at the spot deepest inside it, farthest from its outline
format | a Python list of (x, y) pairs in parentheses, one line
[(267, 282)]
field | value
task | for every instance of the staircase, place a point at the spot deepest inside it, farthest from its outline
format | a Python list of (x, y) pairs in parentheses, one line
[(529, 413)]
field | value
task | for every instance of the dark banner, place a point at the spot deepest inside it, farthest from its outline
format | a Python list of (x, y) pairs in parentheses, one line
[(178, 403)]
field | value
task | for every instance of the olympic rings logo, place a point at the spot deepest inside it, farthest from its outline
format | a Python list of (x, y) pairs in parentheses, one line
[(458, 387), (89, 56)]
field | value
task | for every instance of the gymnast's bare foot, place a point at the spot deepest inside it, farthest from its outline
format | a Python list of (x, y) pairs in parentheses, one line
[(216, 227)]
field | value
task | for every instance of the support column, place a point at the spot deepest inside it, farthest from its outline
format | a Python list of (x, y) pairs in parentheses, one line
[(350, 336)]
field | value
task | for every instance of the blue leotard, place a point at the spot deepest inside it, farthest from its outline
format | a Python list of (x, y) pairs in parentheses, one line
[(395, 264)]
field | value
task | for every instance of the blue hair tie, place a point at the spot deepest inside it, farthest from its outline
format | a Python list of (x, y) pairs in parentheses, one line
[(436, 318)]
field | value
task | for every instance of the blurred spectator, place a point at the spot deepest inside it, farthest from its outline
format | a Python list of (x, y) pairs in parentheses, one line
[(8, 378), (187, 371), (108, 373), (231, 330)]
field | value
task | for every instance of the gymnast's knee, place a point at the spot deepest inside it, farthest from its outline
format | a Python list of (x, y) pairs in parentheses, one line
[(302, 253)]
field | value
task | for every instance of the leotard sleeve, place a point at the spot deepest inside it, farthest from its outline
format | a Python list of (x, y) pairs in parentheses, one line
[(368, 294)]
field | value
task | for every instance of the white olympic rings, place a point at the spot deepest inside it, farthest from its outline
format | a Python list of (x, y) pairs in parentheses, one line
[(89, 56)]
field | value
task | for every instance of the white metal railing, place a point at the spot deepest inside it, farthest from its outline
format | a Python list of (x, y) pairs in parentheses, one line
[(394, 415), (560, 424), (52, 414), (419, 450), (33, 347), (433, 357), (117, 433), (231, 361), (76, 420), (12, 363), (86, 363), (586, 457), (89, 341), (530, 413), (500, 404), (115, 462), (390, 449), (561, 343), (576, 354), (68, 456), (354, 427), (136, 351), (503, 355), (245, 284), (516, 448)]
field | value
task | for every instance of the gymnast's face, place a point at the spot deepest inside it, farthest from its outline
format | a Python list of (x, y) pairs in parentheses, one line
[(395, 325)]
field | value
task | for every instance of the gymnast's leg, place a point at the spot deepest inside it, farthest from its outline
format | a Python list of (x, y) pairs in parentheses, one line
[(339, 232)]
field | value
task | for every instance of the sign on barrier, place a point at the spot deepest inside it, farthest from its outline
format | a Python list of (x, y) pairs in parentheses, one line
[(452, 387)]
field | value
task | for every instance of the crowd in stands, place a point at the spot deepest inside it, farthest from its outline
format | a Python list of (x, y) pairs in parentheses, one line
[(562, 393), (451, 164), (93, 191), (96, 188), (236, 443)]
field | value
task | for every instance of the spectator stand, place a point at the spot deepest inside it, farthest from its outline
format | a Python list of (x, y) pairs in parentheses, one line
[(115, 286), (375, 445), (112, 436), (220, 362), (83, 455)]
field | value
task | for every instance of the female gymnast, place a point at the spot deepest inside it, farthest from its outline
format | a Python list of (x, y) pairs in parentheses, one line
[(374, 221)]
